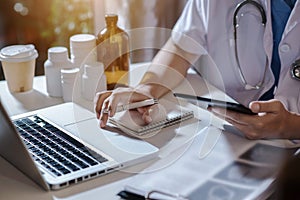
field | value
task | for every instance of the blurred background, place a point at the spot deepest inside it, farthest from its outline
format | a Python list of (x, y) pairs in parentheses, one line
[(49, 23)]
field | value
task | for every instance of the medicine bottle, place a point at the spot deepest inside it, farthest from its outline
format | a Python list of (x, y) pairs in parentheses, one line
[(113, 52), (68, 77), (83, 49), (57, 60), (93, 80)]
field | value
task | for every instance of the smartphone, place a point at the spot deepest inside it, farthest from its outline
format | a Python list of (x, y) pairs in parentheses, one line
[(217, 103)]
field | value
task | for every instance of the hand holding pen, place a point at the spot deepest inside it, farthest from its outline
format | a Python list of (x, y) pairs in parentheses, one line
[(130, 106), (107, 103)]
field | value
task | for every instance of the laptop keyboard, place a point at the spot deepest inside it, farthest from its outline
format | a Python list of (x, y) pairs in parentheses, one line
[(55, 150)]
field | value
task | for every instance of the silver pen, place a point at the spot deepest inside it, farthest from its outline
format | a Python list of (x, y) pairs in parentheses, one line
[(147, 102)]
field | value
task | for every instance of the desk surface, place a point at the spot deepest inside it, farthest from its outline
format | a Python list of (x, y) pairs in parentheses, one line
[(15, 185), (37, 98)]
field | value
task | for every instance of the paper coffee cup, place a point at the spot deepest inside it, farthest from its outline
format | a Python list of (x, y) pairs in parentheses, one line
[(18, 63)]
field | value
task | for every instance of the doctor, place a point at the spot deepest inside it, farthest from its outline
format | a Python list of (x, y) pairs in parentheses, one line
[(255, 47)]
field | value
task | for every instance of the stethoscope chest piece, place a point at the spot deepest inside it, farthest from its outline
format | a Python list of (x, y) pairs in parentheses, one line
[(295, 70)]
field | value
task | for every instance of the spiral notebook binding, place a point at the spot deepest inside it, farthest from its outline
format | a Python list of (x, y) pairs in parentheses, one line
[(153, 128), (164, 123)]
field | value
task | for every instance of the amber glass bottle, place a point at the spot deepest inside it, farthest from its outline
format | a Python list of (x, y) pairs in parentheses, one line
[(113, 52)]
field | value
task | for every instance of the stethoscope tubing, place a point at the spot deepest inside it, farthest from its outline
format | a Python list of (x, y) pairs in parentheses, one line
[(235, 26)]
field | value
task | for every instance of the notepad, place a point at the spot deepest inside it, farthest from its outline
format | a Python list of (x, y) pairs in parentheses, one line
[(164, 114)]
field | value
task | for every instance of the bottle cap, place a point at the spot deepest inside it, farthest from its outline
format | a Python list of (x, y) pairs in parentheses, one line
[(58, 53), (95, 69), (18, 53), (83, 41), (111, 18), (69, 73)]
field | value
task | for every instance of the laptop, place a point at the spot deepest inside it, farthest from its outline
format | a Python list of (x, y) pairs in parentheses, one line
[(63, 145)]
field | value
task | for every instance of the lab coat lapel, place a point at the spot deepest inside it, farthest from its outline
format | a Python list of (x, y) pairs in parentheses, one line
[(293, 20), (268, 35)]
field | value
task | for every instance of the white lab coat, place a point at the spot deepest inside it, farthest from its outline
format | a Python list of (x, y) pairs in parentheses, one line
[(206, 26)]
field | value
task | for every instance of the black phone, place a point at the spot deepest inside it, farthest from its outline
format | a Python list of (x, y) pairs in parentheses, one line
[(217, 103)]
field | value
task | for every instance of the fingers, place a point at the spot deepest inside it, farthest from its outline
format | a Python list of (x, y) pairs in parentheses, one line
[(248, 130), (271, 106), (247, 124), (108, 109), (104, 113), (269, 123), (98, 102), (110, 104), (145, 111), (106, 103), (101, 107)]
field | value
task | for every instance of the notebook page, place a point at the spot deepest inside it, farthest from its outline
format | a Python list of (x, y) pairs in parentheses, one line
[(163, 114)]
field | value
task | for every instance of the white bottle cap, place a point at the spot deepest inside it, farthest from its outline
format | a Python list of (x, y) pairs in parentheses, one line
[(95, 69), (84, 41), (18, 53), (69, 73), (57, 53)]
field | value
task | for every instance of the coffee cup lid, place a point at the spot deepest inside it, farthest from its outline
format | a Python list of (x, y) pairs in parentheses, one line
[(18, 53)]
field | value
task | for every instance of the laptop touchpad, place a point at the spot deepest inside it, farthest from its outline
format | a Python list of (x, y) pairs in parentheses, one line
[(110, 142)]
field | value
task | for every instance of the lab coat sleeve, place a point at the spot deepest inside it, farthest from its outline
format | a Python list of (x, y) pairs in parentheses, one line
[(190, 29)]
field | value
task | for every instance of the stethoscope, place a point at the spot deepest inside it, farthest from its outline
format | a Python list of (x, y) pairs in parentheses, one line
[(235, 26), (295, 68)]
